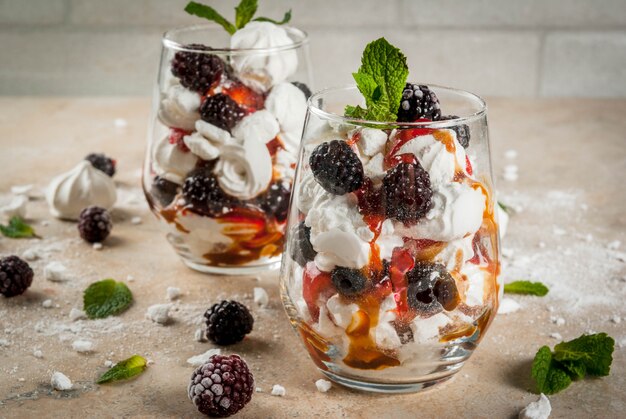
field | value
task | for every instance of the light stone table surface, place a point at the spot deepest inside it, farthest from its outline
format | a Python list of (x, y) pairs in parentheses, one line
[(570, 199)]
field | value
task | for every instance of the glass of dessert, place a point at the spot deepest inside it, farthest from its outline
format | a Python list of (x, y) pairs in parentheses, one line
[(390, 275), (227, 121)]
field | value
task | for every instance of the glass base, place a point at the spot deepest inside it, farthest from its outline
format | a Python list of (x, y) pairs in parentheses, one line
[(233, 270)]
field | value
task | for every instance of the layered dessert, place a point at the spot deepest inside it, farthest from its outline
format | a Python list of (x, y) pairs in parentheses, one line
[(222, 169)]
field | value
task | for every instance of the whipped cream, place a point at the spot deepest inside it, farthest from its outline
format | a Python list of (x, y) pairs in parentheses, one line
[(180, 108), (171, 162), (374, 168), (69, 193), (260, 126), (262, 70), (288, 105), (244, 171)]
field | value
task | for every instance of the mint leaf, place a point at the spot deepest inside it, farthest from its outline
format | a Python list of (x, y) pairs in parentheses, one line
[(18, 229), (124, 370), (211, 14), (549, 377), (575, 369), (595, 352), (105, 298), (286, 19), (244, 12), (526, 288)]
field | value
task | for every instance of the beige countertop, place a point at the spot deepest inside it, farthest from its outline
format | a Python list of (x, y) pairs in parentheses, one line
[(570, 195)]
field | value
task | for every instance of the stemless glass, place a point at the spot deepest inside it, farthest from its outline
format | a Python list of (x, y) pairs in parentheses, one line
[(392, 286), (223, 140)]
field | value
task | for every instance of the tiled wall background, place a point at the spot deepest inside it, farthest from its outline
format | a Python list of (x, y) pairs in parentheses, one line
[(528, 48)]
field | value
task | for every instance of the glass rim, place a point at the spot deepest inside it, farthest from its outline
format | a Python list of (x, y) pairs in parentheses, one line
[(170, 43), (315, 109)]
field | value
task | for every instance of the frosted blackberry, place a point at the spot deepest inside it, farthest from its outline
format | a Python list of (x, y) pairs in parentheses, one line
[(15, 276), (197, 71), (221, 111), (222, 386), (164, 190), (301, 248), (202, 190), (431, 288), (407, 192), (349, 282), (418, 102), (94, 224), (102, 163), (462, 131), (276, 201), (228, 322), (305, 89), (336, 167)]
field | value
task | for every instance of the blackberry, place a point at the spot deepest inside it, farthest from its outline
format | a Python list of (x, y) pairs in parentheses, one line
[(301, 249), (462, 131), (222, 386), (276, 201), (228, 322), (102, 163), (94, 224), (202, 190), (197, 71), (431, 288), (349, 282), (221, 111), (164, 190), (15, 276), (407, 192), (418, 101), (305, 89), (336, 167)]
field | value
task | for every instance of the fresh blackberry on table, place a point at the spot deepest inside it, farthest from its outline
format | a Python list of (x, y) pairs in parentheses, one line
[(407, 192), (431, 288), (202, 190), (221, 111), (197, 71), (102, 163), (462, 131), (301, 248), (94, 224), (276, 201), (349, 282), (418, 102), (164, 190), (336, 167), (228, 322), (15, 276), (305, 89), (222, 386)]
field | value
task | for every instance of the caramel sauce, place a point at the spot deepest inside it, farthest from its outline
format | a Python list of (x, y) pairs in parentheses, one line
[(316, 346), (452, 332), (169, 215)]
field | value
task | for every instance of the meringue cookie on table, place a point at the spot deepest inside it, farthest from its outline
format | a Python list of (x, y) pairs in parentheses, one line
[(171, 162), (262, 71), (69, 193), (15, 207), (244, 171), (180, 108)]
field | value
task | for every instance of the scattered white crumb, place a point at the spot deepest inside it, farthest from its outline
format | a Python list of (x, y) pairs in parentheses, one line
[(323, 385), (60, 381), (120, 123), (82, 346), (260, 297), (258, 390), (108, 363), (159, 313), (542, 245), (21, 380), (30, 255), (21, 189), (173, 293), (559, 321), (537, 410), (47, 303), (45, 223), (55, 272), (130, 278), (16, 207), (558, 231), (135, 220), (508, 305), (556, 336), (196, 361), (511, 172), (4, 343), (199, 335), (77, 314), (622, 342), (97, 246), (37, 353), (149, 362), (614, 245), (510, 154), (616, 319), (278, 390)]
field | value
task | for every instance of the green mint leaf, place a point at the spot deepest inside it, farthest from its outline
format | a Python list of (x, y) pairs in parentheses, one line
[(355, 112), (526, 288), (244, 12), (286, 19), (556, 380), (211, 14), (17, 229), (549, 377), (575, 369), (105, 298), (595, 352), (124, 370)]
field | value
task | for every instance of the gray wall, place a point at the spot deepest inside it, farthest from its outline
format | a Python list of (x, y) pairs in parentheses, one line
[(530, 48)]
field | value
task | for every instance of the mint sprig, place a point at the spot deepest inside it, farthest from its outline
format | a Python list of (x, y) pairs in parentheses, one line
[(105, 298), (244, 13), (381, 80), (17, 228), (124, 370), (526, 288), (554, 371)]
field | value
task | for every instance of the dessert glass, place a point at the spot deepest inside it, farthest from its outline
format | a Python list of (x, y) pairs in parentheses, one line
[(232, 220), (382, 304)]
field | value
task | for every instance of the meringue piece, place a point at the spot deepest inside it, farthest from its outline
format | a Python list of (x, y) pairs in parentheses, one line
[(385, 333), (475, 279), (260, 297), (539, 409), (244, 171), (341, 313), (278, 390), (180, 108), (425, 330), (22, 189), (310, 193), (285, 164), (508, 305), (387, 240), (372, 141), (323, 385), (196, 361), (60, 381), (205, 233), (15, 207), (262, 71), (213, 133), (171, 162), (456, 252), (457, 210), (55, 272), (173, 293), (260, 126), (374, 168), (288, 105), (83, 346), (159, 313), (199, 146), (69, 193)]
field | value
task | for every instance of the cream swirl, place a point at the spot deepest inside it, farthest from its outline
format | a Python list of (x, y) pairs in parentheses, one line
[(180, 108), (171, 162), (244, 171)]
